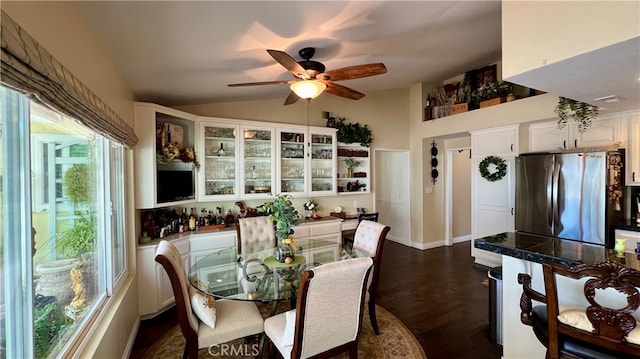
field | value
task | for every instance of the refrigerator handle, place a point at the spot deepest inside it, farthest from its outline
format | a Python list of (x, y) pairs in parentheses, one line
[(554, 215), (564, 144)]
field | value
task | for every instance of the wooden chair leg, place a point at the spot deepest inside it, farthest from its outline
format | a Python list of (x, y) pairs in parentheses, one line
[(372, 315), (353, 350)]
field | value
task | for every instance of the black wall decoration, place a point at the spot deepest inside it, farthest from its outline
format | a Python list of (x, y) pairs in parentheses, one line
[(434, 162)]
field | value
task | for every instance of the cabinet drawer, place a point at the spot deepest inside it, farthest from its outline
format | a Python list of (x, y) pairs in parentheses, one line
[(301, 231), (325, 228), (209, 241)]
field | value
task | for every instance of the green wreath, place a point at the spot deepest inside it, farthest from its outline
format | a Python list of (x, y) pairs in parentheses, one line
[(501, 168)]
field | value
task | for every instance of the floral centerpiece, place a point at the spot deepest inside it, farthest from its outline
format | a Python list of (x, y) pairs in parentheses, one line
[(188, 155), (171, 152), (311, 206)]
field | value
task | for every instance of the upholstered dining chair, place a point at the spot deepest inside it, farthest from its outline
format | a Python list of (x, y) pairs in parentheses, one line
[(600, 329), (347, 236), (231, 319), (369, 240), (328, 313), (255, 234)]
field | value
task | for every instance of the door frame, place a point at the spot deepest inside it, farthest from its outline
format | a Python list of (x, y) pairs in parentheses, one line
[(448, 199)]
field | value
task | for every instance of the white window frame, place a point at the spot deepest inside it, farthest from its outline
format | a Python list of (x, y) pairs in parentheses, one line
[(17, 286)]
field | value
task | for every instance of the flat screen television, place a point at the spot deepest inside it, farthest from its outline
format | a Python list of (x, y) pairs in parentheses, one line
[(175, 186)]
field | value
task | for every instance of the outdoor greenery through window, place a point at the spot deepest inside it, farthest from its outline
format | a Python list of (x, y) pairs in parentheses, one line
[(62, 242)]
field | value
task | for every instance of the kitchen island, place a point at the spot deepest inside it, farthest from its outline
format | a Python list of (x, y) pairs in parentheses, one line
[(523, 253)]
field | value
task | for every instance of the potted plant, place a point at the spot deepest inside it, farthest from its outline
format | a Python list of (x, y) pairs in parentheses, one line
[(285, 216), (353, 133), (69, 280), (351, 164), (80, 239), (583, 113)]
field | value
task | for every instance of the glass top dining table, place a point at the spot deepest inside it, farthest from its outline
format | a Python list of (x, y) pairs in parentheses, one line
[(256, 275)]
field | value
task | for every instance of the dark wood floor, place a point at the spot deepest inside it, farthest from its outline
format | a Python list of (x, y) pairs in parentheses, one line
[(437, 293)]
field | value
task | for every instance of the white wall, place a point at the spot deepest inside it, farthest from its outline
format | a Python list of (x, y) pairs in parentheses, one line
[(570, 28)]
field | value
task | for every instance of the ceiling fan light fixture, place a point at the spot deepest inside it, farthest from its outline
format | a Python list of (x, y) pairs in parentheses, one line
[(308, 89)]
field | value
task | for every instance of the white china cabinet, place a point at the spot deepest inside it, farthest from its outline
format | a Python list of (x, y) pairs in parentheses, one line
[(219, 165), (257, 176), (306, 161)]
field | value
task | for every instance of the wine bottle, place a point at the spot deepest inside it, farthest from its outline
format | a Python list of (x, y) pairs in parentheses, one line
[(427, 108), (192, 220), (184, 221), (221, 150), (229, 220)]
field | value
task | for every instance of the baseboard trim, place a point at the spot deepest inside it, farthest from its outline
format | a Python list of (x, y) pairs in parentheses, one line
[(461, 239), (132, 338), (427, 245)]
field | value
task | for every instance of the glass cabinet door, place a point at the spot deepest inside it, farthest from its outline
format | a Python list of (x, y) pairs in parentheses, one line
[(292, 162), (219, 165), (323, 163), (258, 171)]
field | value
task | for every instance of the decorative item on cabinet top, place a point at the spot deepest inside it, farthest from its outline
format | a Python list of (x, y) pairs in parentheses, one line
[(581, 112), (170, 146), (353, 133)]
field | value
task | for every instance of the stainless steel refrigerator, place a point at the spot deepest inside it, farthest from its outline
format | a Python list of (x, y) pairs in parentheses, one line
[(570, 195)]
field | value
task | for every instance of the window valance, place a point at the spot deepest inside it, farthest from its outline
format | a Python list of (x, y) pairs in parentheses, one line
[(29, 68)]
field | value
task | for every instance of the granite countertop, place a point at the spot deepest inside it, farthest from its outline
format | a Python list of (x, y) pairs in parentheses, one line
[(541, 249), (628, 225)]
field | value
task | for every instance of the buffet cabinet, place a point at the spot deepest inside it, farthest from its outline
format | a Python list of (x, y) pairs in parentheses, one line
[(155, 293), (154, 288)]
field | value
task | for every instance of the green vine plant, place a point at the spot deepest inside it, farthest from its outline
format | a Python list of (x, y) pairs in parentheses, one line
[(353, 132), (80, 238), (282, 212), (583, 113)]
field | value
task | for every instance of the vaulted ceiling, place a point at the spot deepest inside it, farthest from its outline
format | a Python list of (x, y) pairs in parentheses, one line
[(183, 52)]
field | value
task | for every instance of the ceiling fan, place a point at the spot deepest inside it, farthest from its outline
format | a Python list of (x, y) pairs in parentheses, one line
[(312, 79)]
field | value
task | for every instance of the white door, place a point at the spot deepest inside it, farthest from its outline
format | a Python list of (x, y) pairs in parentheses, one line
[(392, 193)]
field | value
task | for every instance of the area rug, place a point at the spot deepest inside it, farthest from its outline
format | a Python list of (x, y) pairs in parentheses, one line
[(395, 341)]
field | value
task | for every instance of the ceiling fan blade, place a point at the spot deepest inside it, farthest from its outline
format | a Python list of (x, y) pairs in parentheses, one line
[(343, 91), (289, 63), (292, 98), (353, 72), (263, 83)]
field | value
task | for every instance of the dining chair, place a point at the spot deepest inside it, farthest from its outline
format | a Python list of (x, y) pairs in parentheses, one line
[(598, 329), (347, 236), (369, 240), (255, 234), (232, 319), (328, 313)]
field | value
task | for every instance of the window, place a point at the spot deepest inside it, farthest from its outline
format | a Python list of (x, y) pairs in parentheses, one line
[(63, 228)]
